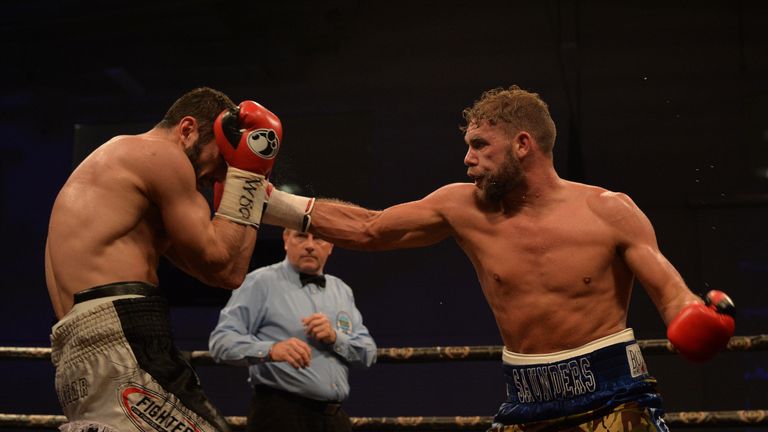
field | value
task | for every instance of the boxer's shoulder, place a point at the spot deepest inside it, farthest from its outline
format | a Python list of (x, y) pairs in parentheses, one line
[(454, 194), (135, 150), (153, 158), (608, 205), (452, 200), (142, 161), (618, 212)]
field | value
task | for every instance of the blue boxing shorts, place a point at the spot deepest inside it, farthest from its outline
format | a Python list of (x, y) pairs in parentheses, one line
[(604, 381), (117, 368)]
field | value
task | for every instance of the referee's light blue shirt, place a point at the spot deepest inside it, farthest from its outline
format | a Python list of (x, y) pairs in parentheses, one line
[(268, 308)]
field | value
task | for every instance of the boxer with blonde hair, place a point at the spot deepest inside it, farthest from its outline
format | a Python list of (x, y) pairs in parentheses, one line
[(556, 261)]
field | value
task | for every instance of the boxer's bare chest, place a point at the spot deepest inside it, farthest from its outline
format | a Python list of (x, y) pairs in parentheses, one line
[(551, 271), (563, 248)]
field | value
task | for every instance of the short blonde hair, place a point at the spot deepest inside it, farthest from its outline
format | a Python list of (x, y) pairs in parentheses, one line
[(519, 109)]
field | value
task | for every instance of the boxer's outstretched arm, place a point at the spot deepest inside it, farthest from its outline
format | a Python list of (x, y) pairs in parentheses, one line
[(412, 224)]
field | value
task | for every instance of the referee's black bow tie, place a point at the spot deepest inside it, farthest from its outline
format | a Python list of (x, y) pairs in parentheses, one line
[(318, 280)]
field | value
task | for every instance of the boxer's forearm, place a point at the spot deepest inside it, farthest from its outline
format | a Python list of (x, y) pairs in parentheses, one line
[(408, 225), (672, 306), (412, 224), (225, 258), (345, 225)]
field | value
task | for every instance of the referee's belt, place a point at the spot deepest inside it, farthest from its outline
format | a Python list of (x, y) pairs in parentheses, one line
[(323, 407)]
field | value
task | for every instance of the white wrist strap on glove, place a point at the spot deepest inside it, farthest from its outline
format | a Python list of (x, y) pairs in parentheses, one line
[(289, 211), (243, 198)]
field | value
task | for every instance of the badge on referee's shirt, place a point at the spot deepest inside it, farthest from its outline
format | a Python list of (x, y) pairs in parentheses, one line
[(344, 322)]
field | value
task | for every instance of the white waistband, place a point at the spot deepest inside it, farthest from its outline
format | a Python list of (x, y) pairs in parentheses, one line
[(86, 305), (517, 359)]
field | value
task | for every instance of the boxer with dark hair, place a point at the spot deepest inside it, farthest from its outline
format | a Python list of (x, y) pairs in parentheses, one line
[(134, 199), (556, 261)]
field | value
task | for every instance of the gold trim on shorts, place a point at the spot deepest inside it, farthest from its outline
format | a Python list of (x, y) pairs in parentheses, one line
[(628, 417)]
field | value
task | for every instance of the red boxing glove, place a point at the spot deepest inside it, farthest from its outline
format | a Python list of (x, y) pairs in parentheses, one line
[(699, 331), (249, 137)]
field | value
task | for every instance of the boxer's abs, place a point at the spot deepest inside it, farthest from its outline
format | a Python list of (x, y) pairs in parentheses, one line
[(539, 321)]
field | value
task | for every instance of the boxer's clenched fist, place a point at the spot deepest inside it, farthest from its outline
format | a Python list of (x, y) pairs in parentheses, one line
[(700, 331), (248, 138)]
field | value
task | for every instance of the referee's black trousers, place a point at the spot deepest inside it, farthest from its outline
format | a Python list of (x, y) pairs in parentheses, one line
[(280, 411)]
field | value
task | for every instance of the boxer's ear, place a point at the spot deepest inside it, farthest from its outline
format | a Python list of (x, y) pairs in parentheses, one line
[(522, 144)]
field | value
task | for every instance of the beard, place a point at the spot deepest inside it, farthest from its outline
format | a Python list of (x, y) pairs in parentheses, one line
[(508, 177), (193, 153)]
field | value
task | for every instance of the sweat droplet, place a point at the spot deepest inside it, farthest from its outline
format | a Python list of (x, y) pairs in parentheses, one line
[(587, 280)]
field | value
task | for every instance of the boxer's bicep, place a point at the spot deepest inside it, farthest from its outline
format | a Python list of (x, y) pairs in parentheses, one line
[(184, 211), (412, 224)]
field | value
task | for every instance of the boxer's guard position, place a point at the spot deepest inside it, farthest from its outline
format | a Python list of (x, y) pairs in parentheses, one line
[(556, 261), (132, 200)]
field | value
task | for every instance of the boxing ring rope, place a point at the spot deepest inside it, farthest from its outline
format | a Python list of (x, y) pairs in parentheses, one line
[(680, 420), (435, 354), (432, 354)]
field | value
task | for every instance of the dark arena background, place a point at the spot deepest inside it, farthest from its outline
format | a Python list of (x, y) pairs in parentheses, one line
[(666, 101)]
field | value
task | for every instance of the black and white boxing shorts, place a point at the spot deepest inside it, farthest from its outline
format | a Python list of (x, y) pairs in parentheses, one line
[(117, 367)]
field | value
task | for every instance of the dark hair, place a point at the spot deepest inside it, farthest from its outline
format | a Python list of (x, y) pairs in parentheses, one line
[(204, 104), (519, 109)]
